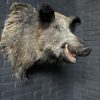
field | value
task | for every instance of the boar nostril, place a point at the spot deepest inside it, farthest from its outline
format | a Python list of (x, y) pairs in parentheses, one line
[(86, 51)]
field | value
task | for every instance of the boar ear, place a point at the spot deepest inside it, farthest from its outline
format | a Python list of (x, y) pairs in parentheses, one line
[(74, 21), (46, 14)]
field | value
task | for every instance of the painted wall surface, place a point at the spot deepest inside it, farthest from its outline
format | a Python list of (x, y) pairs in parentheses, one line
[(80, 81)]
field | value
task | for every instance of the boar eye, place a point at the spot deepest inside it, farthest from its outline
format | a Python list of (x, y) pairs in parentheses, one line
[(76, 21)]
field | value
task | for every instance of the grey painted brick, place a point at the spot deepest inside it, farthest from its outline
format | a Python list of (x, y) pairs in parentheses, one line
[(50, 97), (26, 96), (7, 98), (33, 88), (12, 92), (90, 12), (8, 78), (5, 71), (6, 86), (24, 84)]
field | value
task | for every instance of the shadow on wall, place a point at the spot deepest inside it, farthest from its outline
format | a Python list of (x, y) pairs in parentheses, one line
[(47, 70), (66, 71)]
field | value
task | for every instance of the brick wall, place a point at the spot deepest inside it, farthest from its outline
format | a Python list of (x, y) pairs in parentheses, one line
[(87, 86), (79, 81)]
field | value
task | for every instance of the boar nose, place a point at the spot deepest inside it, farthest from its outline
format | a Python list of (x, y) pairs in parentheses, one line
[(84, 51)]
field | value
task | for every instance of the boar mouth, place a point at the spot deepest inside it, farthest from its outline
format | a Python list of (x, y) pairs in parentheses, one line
[(71, 56)]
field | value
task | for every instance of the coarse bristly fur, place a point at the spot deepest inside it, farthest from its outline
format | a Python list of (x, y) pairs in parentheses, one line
[(26, 40)]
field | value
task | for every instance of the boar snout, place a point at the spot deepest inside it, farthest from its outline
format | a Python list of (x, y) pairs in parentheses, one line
[(72, 53), (84, 51)]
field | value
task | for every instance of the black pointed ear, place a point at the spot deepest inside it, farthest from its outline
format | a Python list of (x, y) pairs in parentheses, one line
[(74, 21), (46, 14)]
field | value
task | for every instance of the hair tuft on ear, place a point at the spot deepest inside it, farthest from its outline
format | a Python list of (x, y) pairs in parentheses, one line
[(19, 6), (46, 14)]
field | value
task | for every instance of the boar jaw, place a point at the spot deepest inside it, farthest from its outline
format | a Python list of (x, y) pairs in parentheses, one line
[(71, 56)]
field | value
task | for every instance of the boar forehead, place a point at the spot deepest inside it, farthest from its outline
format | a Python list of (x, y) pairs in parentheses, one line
[(57, 33), (62, 25), (59, 27), (62, 20)]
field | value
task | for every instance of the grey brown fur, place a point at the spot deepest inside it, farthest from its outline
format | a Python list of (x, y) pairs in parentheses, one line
[(25, 40)]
